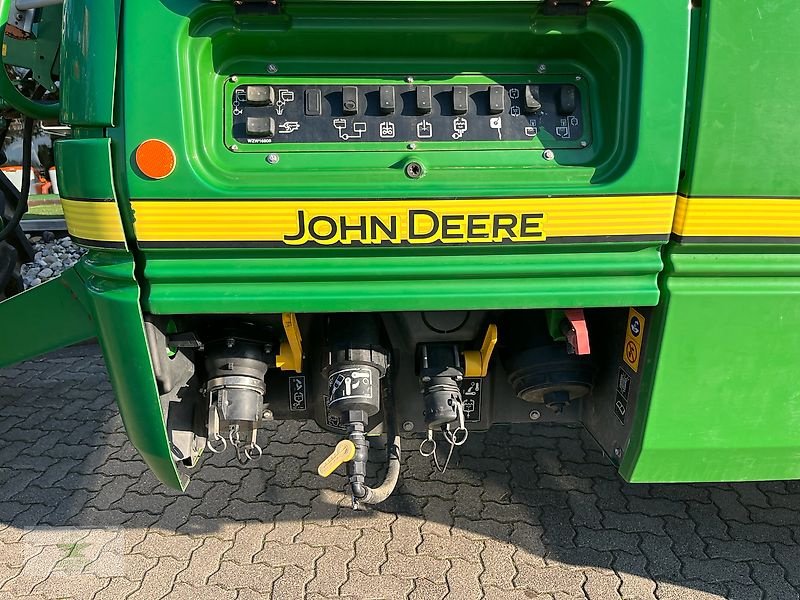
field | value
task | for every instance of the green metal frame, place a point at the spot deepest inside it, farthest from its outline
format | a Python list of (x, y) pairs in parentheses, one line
[(720, 394)]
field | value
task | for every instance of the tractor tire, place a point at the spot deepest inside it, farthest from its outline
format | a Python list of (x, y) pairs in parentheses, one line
[(10, 271)]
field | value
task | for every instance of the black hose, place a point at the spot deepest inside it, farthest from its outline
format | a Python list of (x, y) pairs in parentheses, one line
[(385, 489), (22, 205)]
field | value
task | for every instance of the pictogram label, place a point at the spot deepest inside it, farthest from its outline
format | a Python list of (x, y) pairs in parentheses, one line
[(297, 393), (632, 349), (471, 393)]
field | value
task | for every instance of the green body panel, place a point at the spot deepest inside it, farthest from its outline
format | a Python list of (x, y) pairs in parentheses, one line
[(743, 138), (242, 281), (721, 370), (91, 31), (721, 399), (114, 296), (45, 318), (635, 150), (77, 181), (193, 48)]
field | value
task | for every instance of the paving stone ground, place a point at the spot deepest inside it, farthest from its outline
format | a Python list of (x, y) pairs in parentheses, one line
[(528, 512)]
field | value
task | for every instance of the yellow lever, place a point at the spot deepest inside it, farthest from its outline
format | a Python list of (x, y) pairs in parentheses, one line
[(476, 362), (291, 354), (344, 452)]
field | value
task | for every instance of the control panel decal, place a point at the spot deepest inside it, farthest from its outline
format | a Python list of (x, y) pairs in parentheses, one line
[(263, 113)]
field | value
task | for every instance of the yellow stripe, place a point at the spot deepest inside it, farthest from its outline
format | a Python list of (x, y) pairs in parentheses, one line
[(737, 217), (99, 221), (274, 221)]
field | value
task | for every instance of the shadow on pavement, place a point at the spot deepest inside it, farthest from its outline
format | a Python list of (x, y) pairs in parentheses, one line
[(538, 508)]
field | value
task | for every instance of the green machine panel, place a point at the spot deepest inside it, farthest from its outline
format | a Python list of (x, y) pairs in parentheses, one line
[(721, 399), (593, 170)]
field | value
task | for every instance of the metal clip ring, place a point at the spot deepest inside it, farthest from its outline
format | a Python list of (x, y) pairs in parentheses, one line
[(217, 438), (233, 436), (427, 453), (454, 436), (255, 447)]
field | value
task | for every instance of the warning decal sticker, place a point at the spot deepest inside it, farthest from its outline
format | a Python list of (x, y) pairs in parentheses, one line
[(632, 349)]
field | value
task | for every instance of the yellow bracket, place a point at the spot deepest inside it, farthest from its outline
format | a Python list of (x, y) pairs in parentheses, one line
[(344, 452), (291, 355), (477, 361)]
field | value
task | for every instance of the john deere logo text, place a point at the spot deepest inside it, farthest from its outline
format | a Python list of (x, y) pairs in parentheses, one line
[(416, 226)]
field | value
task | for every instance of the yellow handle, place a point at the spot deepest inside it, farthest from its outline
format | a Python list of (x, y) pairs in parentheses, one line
[(477, 361), (344, 452)]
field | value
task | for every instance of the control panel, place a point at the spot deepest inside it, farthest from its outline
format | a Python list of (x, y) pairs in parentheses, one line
[(264, 113)]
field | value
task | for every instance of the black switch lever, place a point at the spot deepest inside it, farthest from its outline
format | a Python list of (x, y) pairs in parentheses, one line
[(313, 103), (460, 102), (350, 100), (386, 94), (497, 99), (424, 102), (261, 126), (567, 100), (531, 101)]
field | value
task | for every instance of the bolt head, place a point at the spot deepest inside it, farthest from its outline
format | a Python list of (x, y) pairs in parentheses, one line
[(234, 78), (409, 79), (584, 143), (267, 415), (408, 426), (273, 159), (578, 77), (542, 68), (235, 148), (272, 68), (548, 154), (535, 415), (618, 452), (412, 146)]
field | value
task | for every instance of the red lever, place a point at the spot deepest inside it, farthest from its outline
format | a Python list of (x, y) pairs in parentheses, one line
[(576, 331)]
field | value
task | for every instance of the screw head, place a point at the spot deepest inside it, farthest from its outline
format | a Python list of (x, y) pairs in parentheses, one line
[(578, 77), (409, 79), (267, 415), (584, 143), (548, 154), (273, 158), (235, 148), (234, 78), (408, 426), (272, 68), (618, 452), (542, 68), (230, 342), (414, 170), (535, 415), (412, 146)]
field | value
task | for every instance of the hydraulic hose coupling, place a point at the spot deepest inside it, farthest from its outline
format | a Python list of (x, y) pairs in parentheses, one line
[(441, 372), (235, 388), (357, 365)]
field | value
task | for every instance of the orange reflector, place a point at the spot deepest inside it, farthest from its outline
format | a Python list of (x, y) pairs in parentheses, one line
[(155, 159)]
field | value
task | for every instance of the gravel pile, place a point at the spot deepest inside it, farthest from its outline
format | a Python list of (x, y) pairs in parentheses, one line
[(53, 256)]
